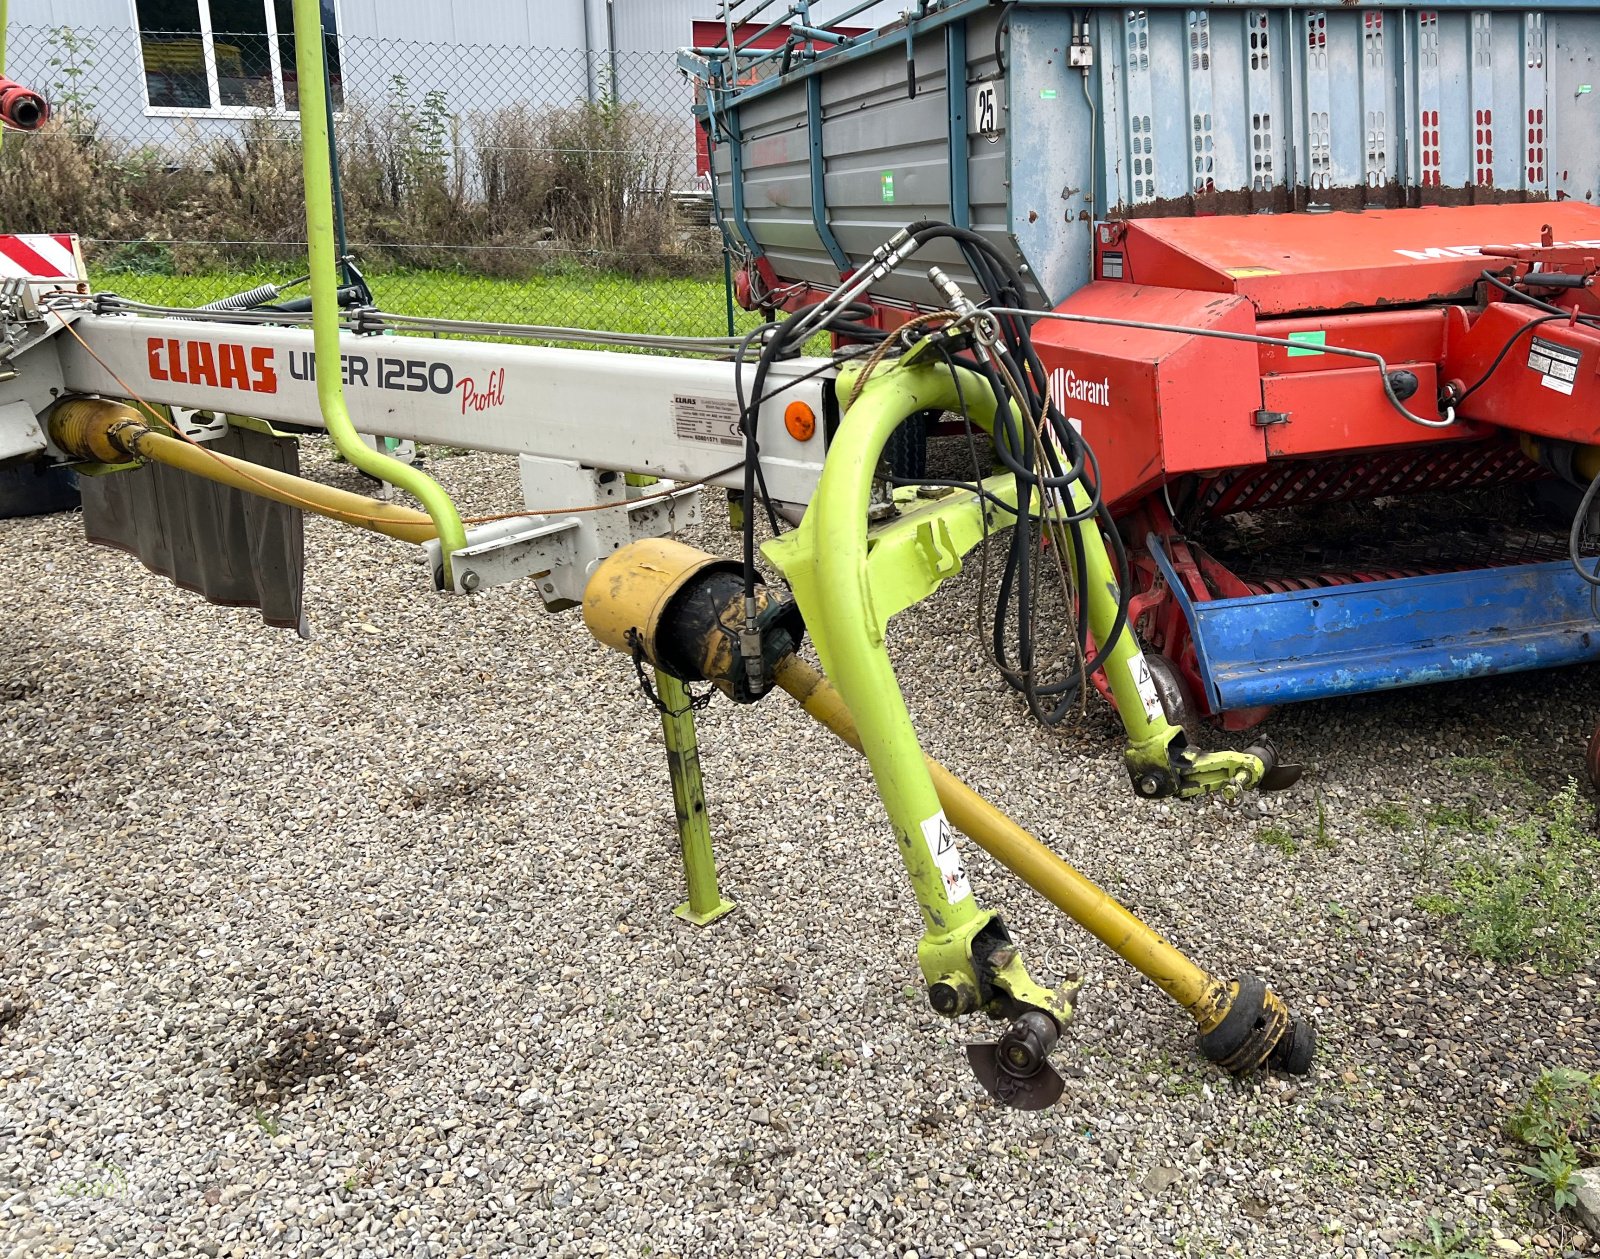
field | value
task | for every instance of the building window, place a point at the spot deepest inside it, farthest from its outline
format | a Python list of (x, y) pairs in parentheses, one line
[(225, 56)]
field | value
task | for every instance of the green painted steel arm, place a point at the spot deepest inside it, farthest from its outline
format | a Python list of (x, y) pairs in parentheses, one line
[(906, 559), (825, 561), (5, 6), (317, 142)]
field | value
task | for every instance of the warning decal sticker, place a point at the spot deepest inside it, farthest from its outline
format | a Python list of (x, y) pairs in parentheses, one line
[(1149, 697), (1557, 364), (941, 840)]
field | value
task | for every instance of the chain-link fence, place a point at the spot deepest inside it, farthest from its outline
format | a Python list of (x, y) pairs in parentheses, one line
[(513, 184)]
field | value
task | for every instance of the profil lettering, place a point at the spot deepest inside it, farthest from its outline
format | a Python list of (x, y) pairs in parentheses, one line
[(493, 393), (222, 366)]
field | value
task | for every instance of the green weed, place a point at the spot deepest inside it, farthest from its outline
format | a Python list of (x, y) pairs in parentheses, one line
[(1456, 817), (1278, 837), (109, 1181), (1534, 897), (1395, 816), (1323, 840), (1439, 1244), (1559, 1121)]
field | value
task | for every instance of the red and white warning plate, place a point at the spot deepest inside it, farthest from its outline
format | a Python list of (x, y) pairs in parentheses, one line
[(41, 256)]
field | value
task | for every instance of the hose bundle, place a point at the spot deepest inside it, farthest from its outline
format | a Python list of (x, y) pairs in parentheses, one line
[(1057, 479)]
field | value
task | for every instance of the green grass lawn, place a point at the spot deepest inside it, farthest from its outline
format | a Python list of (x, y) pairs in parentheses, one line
[(575, 299)]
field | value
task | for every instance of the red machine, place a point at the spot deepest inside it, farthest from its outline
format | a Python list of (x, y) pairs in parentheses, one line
[(1402, 352), (1190, 430), (21, 107)]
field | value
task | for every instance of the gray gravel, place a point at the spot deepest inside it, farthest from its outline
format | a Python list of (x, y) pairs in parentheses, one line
[(364, 946)]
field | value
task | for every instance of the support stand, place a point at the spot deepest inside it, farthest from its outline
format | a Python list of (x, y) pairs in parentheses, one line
[(705, 904)]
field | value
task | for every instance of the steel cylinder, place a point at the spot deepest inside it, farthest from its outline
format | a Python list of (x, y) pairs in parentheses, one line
[(88, 428)]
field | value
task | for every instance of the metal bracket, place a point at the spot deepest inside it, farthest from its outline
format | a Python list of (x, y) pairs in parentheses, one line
[(199, 426), (1266, 419), (20, 434), (560, 549)]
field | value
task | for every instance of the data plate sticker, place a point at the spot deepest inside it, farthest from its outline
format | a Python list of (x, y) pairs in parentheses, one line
[(1149, 697), (711, 420), (1556, 364), (940, 837)]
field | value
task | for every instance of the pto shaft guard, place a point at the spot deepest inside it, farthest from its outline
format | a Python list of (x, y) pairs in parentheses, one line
[(680, 609)]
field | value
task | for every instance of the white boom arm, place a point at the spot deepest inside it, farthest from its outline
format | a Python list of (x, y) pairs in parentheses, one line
[(576, 417)]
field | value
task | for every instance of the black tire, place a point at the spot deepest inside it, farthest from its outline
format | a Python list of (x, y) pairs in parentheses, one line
[(36, 489), (906, 451)]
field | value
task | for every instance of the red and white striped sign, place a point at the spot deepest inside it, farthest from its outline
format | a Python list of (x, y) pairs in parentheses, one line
[(41, 257)]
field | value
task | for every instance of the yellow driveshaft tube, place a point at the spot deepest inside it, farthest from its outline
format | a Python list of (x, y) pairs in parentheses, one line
[(112, 432), (323, 250), (671, 604), (1202, 995)]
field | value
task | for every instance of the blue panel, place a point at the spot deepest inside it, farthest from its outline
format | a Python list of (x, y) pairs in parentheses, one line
[(819, 182), (955, 82), (1375, 636), (741, 220)]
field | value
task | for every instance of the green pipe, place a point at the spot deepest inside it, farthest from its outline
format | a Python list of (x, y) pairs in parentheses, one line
[(825, 561), (847, 599), (323, 250), (4, 6), (705, 904)]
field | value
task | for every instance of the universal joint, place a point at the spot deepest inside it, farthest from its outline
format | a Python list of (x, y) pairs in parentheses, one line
[(684, 611)]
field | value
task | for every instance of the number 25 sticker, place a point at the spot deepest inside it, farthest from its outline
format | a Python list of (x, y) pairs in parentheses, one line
[(984, 115)]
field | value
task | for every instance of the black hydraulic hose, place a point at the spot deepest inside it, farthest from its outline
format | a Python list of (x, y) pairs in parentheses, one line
[(1575, 535), (781, 342), (1516, 294), (1506, 349), (1034, 441), (995, 275)]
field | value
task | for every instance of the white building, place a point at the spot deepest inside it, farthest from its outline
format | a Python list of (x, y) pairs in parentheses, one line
[(145, 65)]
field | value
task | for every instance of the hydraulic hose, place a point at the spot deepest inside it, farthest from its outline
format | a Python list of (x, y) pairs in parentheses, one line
[(324, 253)]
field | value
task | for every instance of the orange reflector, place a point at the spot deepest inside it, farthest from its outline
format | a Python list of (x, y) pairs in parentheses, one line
[(800, 420)]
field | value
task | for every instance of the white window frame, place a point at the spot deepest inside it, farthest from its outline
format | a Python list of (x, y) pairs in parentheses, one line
[(278, 109)]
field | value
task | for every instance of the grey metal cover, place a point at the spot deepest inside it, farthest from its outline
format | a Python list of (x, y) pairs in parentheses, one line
[(233, 548), (1230, 108)]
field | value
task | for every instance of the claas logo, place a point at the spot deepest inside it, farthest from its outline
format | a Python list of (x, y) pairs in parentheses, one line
[(221, 366)]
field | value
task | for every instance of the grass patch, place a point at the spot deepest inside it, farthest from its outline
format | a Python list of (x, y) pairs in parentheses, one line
[(1533, 896), (574, 298), (1395, 816), (1278, 837), (1439, 1241), (1461, 817)]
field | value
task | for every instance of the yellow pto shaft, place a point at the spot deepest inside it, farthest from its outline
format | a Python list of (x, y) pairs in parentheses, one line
[(113, 432)]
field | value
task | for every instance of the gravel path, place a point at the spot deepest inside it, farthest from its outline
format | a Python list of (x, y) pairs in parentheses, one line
[(363, 946)]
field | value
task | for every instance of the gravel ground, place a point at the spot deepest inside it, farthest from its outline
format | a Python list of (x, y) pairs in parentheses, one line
[(363, 945)]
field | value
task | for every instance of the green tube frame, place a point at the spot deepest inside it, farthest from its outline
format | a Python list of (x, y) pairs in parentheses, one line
[(5, 6), (848, 586), (316, 148)]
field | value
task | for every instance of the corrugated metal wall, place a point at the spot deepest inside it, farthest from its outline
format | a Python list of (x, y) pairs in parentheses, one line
[(101, 13)]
